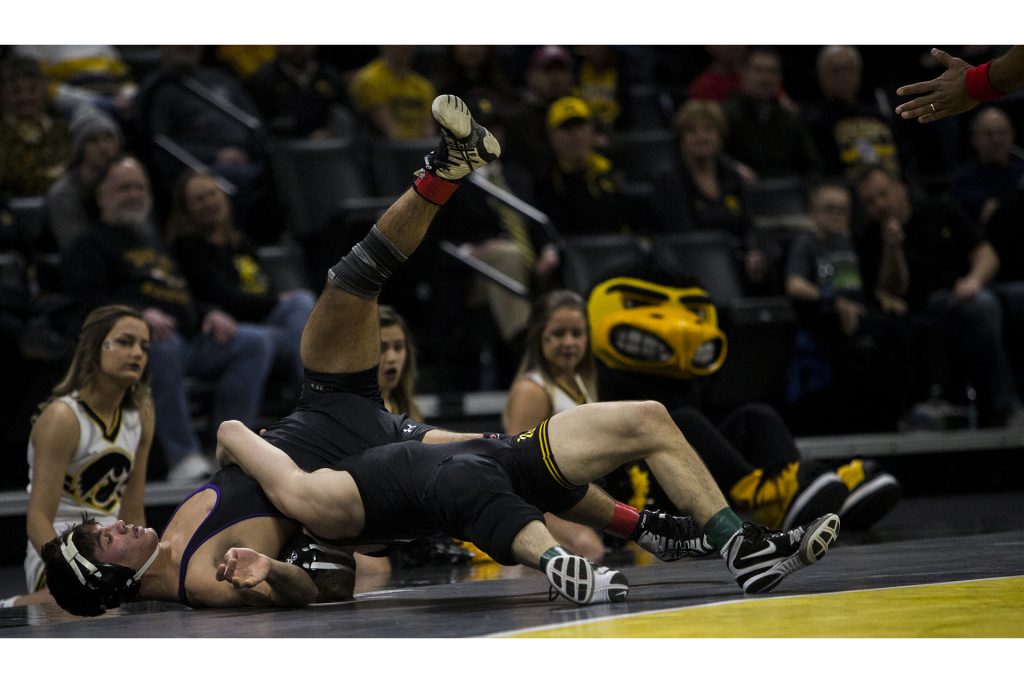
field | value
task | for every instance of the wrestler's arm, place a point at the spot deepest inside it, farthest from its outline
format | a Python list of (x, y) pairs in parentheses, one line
[(255, 579)]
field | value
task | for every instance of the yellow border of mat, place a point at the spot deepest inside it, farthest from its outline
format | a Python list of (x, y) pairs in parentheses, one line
[(983, 608)]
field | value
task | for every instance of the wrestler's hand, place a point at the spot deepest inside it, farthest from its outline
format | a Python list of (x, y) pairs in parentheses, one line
[(243, 567)]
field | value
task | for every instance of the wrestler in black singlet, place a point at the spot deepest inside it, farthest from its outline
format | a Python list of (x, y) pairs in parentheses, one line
[(483, 490), (339, 415)]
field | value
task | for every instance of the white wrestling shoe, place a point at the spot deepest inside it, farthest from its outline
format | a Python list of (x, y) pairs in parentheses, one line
[(579, 581), (465, 145)]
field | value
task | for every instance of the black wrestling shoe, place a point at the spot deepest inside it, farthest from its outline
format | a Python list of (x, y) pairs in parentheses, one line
[(872, 494), (465, 145), (579, 581), (759, 558), (670, 537)]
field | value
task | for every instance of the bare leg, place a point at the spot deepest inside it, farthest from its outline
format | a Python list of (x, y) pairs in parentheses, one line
[(343, 333), (531, 542), (591, 440)]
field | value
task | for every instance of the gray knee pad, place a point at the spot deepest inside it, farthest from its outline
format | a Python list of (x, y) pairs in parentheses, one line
[(364, 270)]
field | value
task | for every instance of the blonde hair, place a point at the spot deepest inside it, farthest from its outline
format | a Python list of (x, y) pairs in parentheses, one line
[(533, 357), (403, 397), (695, 110), (86, 360)]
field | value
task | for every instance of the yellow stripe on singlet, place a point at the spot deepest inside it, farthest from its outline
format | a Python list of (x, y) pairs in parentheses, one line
[(549, 460), (983, 608)]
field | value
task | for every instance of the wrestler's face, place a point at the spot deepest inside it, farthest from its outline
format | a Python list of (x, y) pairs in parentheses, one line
[(564, 340), (125, 544), (125, 350), (393, 354)]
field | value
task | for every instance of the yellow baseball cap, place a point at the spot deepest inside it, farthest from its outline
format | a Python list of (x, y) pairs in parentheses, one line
[(566, 109)]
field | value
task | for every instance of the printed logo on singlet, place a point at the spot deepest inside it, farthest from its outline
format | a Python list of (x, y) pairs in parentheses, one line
[(528, 434), (100, 484)]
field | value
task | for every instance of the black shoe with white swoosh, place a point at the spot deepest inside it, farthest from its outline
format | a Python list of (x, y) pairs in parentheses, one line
[(759, 558)]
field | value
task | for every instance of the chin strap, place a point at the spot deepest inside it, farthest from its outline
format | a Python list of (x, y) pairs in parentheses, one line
[(146, 564)]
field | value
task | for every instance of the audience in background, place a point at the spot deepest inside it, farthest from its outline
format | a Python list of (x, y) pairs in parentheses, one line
[(926, 258), (96, 140), (721, 79), (33, 144), (224, 271), (393, 99), (579, 191), (982, 184), (299, 96), (116, 262), (549, 76), (706, 191), (764, 134), (865, 348), (847, 133)]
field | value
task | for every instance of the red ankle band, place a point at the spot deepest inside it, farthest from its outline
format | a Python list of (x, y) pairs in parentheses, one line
[(979, 87), (435, 190), (624, 520)]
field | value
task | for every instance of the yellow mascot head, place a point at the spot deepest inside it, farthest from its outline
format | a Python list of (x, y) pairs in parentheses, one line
[(646, 327)]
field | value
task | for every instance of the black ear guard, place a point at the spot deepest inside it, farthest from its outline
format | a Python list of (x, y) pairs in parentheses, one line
[(114, 583)]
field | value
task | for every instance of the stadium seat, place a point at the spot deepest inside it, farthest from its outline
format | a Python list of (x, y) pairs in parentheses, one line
[(392, 162), (587, 260), (29, 216), (285, 265), (778, 204), (708, 257), (320, 180), (639, 154)]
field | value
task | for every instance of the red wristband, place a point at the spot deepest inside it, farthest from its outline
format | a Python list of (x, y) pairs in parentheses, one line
[(624, 520), (979, 87), (435, 190)]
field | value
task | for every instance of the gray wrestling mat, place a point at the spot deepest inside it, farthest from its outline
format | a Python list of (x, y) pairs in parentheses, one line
[(931, 554)]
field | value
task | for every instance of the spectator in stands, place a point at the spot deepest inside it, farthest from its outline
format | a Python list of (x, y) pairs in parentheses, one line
[(71, 209), (579, 190), (706, 190), (721, 79), (848, 134), (90, 439), (868, 349), (475, 73), (299, 96), (549, 76), (763, 133), (927, 257), (604, 86), (206, 111), (33, 144), (223, 269), (982, 184), (116, 263), (91, 75), (557, 372), (392, 97)]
